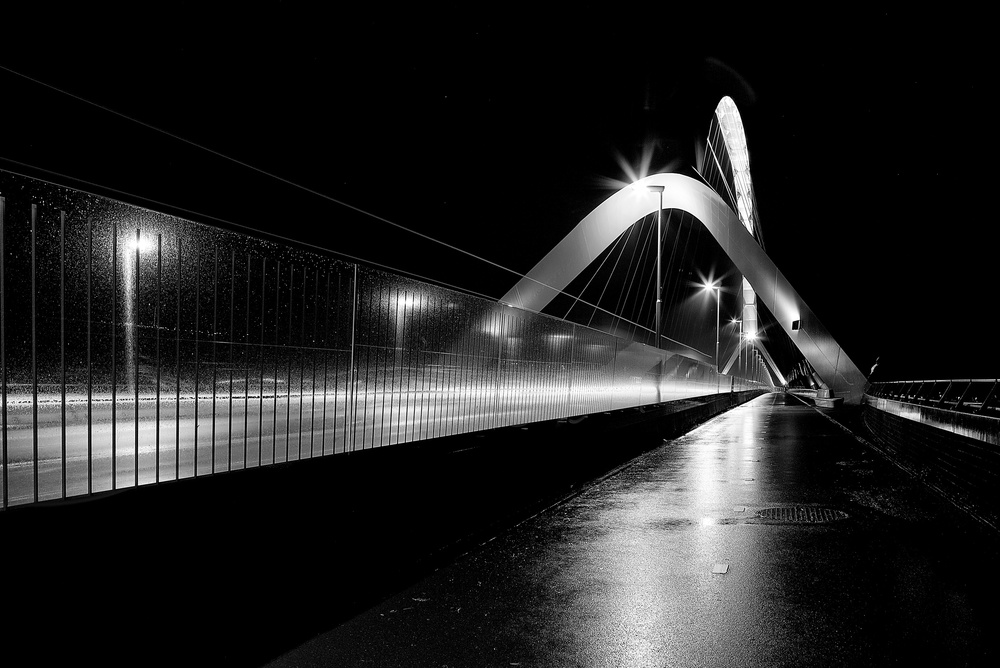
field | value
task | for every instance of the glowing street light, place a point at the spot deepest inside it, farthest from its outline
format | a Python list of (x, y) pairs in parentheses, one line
[(141, 244)]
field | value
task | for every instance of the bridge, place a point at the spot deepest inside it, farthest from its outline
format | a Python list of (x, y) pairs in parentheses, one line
[(140, 347), (159, 355)]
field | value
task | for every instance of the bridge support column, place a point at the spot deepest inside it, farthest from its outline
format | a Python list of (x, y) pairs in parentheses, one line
[(824, 395), (825, 398)]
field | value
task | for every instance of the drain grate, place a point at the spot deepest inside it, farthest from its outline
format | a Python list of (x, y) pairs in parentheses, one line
[(802, 514)]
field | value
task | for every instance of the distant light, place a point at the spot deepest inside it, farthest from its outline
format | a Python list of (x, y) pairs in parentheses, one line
[(143, 244), (751, 336), (708, 521), (493, 328), (409, 301)]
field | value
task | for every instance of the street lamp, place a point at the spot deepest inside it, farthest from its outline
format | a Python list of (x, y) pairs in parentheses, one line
[(740, 321), (659, 273), (134, 246), (752, 339), (718, 300)]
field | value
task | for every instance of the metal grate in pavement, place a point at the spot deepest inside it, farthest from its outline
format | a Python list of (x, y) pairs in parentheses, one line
[(802, 514)]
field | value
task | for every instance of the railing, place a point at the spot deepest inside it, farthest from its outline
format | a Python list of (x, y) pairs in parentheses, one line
[(973, 396), (946, 433), (138, 348), (967, 407)]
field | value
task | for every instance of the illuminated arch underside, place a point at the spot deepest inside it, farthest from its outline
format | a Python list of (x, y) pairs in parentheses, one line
[(603, 225), (734, 136)]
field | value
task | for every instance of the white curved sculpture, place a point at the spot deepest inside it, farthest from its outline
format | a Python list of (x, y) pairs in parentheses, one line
[(735, 137), (603, 225)]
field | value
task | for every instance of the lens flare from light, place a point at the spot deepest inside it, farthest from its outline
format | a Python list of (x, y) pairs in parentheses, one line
[(143, 244)]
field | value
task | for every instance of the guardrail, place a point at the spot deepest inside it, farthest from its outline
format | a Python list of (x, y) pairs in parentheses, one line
[(138, 348), (973, 396), (945, 432)]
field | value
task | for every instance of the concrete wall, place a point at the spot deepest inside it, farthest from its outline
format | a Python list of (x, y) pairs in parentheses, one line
[(964, 469), (979, 427)]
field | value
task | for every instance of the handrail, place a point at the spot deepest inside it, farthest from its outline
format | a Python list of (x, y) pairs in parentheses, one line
[(938, 380), (968, 395)]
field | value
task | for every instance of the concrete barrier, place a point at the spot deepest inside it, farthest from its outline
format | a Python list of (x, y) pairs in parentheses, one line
[(964, 469)]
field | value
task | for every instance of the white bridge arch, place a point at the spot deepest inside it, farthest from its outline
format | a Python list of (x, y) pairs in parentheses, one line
[(599, 229)]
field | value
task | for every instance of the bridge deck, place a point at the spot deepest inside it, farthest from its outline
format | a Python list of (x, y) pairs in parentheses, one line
[(622, 574)]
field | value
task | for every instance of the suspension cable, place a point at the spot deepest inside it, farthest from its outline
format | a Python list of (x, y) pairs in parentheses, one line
[(304, 189)]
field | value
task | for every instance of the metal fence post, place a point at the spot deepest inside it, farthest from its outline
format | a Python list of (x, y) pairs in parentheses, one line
[(3, 344), (34, 352), (62, 343), (351, 398)]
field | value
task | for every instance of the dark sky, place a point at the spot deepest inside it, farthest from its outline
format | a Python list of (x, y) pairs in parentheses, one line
[(869, 133)]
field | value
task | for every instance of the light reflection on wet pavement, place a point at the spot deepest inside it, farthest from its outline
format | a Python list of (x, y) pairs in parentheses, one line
[(622, 574)]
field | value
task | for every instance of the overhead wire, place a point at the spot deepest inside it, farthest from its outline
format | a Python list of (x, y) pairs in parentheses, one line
[(303, 188), (614, 267), (633, 269), (607, 256), (648, 294), (295, 241), (264, 172), (249, 228)]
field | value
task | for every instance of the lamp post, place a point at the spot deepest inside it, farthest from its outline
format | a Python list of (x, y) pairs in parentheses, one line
[(134, 247), (718, 300), (659, 272), (740, 353), (751, 339), (718, 305)]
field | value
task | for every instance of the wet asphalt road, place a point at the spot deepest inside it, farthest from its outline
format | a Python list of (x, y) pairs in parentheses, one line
[(622, 574)]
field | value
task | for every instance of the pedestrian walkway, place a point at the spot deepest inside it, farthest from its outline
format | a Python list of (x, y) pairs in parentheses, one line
[(767, 536)]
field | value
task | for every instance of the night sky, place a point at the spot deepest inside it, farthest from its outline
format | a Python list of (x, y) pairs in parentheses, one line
[(870, 139)]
